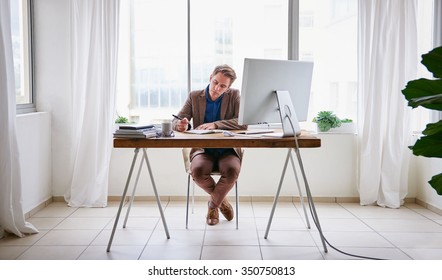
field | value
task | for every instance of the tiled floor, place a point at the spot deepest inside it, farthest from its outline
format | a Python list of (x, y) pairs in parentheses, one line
[(410, 232)]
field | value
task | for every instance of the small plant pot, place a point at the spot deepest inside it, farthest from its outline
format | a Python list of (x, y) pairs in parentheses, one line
[(344, 128)]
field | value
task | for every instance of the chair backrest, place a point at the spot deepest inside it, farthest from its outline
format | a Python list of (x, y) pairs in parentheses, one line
[(186, 158)]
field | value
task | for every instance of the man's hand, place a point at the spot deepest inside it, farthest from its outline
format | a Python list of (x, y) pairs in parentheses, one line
[(182, 125), (208, 126)]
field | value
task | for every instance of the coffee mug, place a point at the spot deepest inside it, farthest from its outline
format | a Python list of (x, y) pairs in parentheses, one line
[(166, 128)]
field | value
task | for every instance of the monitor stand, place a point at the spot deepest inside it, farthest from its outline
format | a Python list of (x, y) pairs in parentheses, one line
[(290, 124)]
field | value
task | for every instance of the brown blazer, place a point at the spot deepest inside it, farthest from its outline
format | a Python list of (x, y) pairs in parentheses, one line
[(195, 107)]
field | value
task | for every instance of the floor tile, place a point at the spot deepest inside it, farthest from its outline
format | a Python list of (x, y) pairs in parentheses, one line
[(371, 212), (12, 252), (68, 238), (327, 210), (52, 253), (286, 238), (363, 253), (231, 237), (141, 211), (414, 240), (177, 237), (403, 225), (123, 237), (116, 253), (171, 252), (281, 223), (243, 223), (95, 212), (424, 254), (352, 239), (54, 212), (83, 223), (290, 253), (342, 225), (231, 253), (27, 240), (45, 223), (135, 223)]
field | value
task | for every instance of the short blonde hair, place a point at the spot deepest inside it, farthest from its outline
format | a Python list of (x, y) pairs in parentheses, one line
[(226, 70)]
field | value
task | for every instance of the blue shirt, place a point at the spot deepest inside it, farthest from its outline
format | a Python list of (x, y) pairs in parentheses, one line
[(213, 108), (213, 114)]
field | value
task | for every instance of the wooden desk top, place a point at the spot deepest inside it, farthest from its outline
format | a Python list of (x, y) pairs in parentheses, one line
[(217, 140)]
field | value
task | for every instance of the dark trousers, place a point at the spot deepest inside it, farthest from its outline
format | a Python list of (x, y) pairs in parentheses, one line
[(227, 164)]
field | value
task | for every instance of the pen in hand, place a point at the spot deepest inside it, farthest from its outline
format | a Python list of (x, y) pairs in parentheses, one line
[(189, 126)]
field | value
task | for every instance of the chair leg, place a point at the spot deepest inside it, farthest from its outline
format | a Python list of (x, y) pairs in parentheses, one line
[(193, 196), (237, 204), (187, 202)]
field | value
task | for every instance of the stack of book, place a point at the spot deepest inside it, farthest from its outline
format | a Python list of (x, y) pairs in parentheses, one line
[(136, 131)]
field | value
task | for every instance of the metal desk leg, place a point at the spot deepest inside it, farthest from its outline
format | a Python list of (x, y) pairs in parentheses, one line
[(123, 197), (310, 199), (275, 200), (309, 196), (300, 192), (133, 193), (156, 193)]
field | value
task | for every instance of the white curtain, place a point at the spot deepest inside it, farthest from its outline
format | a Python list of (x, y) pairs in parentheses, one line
[(11, 211), (94, 40), (387, 61)]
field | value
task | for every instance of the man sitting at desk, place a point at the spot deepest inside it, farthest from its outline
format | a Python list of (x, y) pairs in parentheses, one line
[(215, 107)]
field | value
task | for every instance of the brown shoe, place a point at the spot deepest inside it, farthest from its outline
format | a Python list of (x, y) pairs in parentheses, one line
[(212, 217), (226, 210)]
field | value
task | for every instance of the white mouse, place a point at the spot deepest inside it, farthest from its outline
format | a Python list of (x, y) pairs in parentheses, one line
[(227, 133)]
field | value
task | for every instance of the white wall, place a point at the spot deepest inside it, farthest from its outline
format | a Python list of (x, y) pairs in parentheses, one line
[(34, 144), (53, 83)]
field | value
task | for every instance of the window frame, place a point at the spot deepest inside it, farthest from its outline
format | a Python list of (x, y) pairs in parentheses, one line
[(31, 106)]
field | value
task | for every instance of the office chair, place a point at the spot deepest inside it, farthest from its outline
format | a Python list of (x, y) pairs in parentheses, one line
[(186, 158)]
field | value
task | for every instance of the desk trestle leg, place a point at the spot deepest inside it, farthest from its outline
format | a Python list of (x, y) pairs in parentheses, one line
[(122, 199), (309, 196), (301, 197), (129, 207), (160, 208)]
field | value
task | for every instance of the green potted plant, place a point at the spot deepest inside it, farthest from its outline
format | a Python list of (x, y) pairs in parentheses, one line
[(428, 94), (121, 119), (328, 121)]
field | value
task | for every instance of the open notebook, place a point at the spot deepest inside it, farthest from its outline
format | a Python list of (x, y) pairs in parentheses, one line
[(203, 131)]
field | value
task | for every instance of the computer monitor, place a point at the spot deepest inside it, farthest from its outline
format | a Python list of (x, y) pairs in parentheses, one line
[(262, 78)]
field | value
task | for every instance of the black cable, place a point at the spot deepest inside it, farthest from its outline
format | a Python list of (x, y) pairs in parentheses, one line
[(310, 199)]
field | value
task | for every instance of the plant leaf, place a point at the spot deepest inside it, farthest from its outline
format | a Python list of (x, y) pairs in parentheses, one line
[(436, 183), (424, 92), (429, 146), (433, 128), (433, 61)]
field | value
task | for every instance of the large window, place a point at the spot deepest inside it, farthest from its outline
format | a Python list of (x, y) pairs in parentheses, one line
[(169, 47), (328, 37), (158, 43), (21, 44)]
